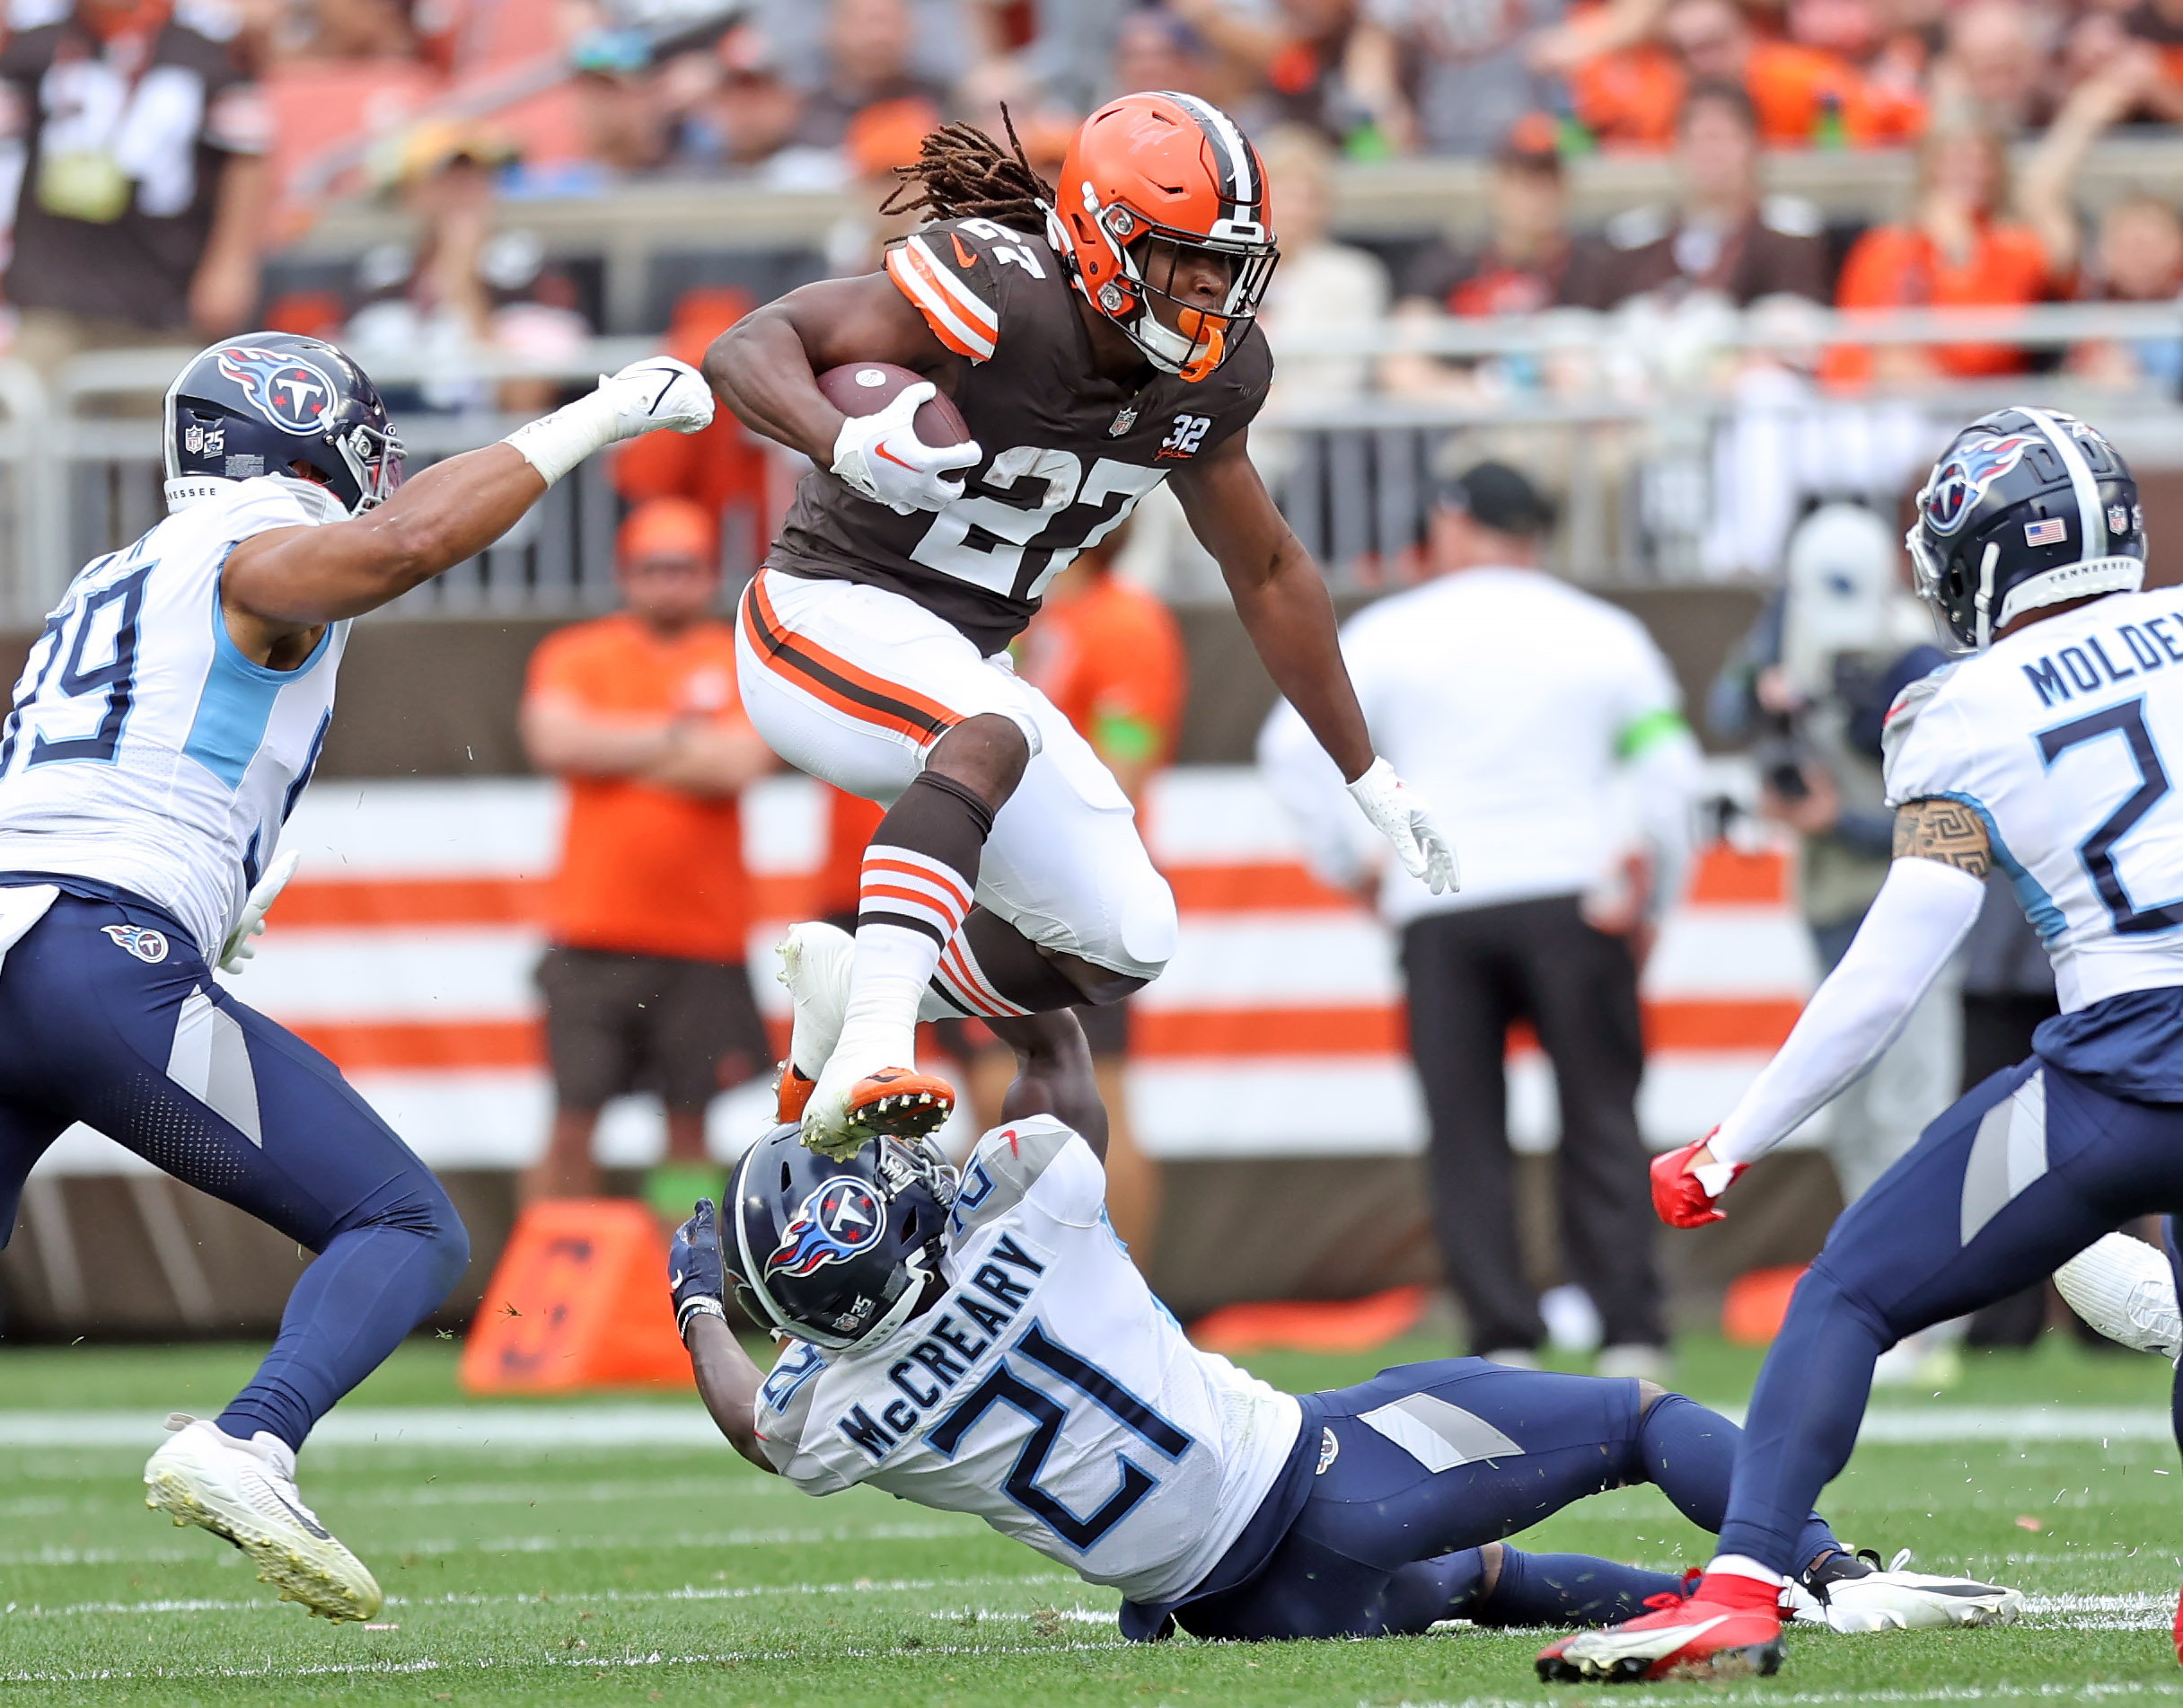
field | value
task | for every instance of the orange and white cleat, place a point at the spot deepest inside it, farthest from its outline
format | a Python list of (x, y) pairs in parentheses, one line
[(889, 1102), (1730, 1628)]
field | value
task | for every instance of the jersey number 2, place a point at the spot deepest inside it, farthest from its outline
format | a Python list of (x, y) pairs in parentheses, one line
[(2097, 850), (1048, 1415), (106, 625)]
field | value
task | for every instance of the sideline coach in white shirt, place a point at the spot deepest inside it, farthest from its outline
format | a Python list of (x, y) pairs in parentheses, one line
[(1548, 725)]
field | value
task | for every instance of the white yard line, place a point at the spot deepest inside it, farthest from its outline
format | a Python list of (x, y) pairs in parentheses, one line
[(861, 1587), (542, 1428)]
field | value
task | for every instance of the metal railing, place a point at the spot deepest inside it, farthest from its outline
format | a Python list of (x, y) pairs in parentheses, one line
[(1676, 455)]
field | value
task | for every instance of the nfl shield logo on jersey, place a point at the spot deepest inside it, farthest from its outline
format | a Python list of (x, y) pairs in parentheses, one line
[(141, 941), (837, 1221), (290, 392)]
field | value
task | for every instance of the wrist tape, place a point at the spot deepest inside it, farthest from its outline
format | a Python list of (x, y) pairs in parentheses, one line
[(555, 444)]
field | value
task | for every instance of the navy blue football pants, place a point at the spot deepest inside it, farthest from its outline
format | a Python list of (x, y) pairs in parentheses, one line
[(156, 1056), (1430, 1462), (2025, 1171)]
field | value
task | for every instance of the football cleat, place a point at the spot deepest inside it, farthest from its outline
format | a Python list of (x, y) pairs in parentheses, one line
[(1729, 1629), (1853, 1593), (245, 1492), (814, 963), (889, 1102)]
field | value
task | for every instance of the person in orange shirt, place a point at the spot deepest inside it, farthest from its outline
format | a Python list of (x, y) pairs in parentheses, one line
[(647, 917), (1956, 250), (1109, 656), (1804, 96)]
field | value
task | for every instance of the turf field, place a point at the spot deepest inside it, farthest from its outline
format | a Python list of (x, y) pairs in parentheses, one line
[(605, 1551)]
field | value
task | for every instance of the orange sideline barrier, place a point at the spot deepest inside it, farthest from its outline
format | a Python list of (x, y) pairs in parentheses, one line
[(579, 1300)]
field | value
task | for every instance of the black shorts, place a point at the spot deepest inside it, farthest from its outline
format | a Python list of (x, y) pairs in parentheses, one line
[(621, 1023)]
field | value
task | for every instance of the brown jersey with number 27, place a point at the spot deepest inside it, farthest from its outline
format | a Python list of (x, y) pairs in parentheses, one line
[(1068, 454)]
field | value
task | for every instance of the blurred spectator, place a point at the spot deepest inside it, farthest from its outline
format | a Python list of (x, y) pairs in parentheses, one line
[(462, 290), (936, 42), (1110, 657), (730, 108), (2137, 259), (1321, 286), (1537, 745), (1803, 96), (1956, 250), (1726, 237), (648, 915), (145, 181), (2137, 255), (2159, 24), (358, 29), (870, 59), (1157, 50), (1810, 688), (1518, 269), (880, 139), (1449, 79), (1291, 60), (1998, 68)]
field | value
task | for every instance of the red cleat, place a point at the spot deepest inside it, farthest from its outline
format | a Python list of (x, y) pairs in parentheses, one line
[(2180, 1630), (1730, 1628)]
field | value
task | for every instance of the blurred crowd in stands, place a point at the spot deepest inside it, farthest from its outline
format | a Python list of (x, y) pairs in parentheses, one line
[(160, 145)]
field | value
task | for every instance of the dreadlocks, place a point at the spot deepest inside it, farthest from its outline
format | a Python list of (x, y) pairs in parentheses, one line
[(962, 173)]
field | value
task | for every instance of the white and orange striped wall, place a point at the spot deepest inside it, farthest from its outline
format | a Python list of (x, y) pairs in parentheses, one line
[(406, 946)]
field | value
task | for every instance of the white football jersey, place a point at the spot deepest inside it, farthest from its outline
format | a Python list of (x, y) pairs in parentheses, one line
[(2065, 738), (1048, 1392), (145, 751)]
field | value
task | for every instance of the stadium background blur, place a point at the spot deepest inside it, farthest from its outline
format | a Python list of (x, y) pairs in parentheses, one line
[(1694, 267)]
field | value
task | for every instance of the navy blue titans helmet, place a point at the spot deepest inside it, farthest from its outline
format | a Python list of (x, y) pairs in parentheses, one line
[(261, 403), (835, 1252), (2026, 508)]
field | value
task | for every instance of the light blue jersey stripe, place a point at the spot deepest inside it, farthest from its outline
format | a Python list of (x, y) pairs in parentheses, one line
[(237, 703)]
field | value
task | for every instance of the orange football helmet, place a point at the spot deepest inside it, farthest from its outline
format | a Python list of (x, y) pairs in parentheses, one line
[(1171, 169)]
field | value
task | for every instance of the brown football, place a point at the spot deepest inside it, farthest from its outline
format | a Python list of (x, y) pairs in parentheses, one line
[(864, 388)]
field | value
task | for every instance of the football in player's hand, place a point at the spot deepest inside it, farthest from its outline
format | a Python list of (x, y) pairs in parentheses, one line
[(866, 388)]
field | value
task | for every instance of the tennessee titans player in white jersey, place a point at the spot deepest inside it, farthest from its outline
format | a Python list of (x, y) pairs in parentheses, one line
[(983, 1343), (2048, 752), (168, 717)]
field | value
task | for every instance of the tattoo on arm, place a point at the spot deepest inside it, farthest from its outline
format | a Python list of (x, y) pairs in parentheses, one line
[(1945, 831)]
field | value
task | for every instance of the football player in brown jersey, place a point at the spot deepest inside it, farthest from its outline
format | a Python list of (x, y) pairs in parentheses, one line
[(1097, 341)]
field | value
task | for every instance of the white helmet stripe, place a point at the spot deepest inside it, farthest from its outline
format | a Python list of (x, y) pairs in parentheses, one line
[(2092, 523), (1240, 186)]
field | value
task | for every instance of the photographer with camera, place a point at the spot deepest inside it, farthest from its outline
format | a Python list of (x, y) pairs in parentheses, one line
[(1809, 687)]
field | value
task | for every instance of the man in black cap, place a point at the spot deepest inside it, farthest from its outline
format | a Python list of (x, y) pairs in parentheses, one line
[(1550, 725)]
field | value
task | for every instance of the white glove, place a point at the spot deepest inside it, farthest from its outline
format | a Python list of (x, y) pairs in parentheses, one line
[(239, 948), (882, 457), (1399, 814), (658, 392)]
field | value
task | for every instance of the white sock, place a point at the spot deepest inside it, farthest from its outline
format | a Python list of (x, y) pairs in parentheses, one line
[(1740, 1565), (909, 904)]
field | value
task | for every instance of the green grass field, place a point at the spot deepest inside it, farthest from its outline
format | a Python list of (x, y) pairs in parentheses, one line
[(542, 1566)]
